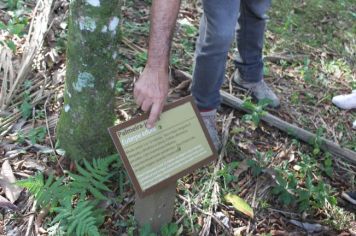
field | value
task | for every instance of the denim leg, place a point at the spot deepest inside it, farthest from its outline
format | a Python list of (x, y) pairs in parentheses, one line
[(250, 36), (216, 32)]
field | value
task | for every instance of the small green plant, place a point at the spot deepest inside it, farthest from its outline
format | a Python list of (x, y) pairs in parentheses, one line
[(37, 135), (82, 219), (190, 30), (227, 173), (266, 71), (119, 88), (130, 226), (306, 71), (295, 98), (285, 186), (260, 162), (308, 195), (146, 230), (39, 114), (307, 165), (257, 110), (140, 61), (26, 107), (327, 165), (171, 229), (93, 178), (288, 25), (264, 204), (317, 142), (186, 222), (46, 192), (15, 26)]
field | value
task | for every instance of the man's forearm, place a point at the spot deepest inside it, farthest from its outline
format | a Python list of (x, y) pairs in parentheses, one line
[(163, 19)]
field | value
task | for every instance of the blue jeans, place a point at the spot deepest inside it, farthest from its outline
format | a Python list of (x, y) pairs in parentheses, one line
[(217, 29)]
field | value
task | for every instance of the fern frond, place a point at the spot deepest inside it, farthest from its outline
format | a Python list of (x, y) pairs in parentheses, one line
[(47, 192), (104, 163), (32, 184), (92, 178), (81, 220)]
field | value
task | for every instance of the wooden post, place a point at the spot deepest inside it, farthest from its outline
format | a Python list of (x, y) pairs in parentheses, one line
[(156, 209)]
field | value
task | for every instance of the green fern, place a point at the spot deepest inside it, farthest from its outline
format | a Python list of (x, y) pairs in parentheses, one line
[(92, 178), (80, 220), (33, 184), (48, 192)]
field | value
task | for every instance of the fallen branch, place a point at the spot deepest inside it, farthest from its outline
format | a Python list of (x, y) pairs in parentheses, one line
[(304, 135), (31, 219), (276, 58)]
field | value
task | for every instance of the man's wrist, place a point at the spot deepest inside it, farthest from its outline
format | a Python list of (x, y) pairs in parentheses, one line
[(158, 66)]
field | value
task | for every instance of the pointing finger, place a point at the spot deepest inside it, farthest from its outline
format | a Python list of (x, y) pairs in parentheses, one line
[(154, 114)]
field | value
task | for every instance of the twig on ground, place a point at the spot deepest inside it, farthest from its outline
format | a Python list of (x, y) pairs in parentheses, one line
[(253, 206), (49, 133), (275, 58), (205, 213), (31, 219), (213, 183), (190, 215), (131, 45), (285, 212)]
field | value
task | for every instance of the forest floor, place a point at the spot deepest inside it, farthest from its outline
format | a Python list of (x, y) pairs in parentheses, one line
[(309, 58)]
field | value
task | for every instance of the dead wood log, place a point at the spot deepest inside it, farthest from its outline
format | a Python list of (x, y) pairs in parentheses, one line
[(293, 130)]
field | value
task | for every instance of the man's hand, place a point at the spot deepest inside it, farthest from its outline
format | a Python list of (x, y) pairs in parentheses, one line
[(151, 91)]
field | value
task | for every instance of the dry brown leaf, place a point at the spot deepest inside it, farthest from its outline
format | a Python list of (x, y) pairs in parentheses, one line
[(248, 146), (6, 204), (33, 165), (8, 179)]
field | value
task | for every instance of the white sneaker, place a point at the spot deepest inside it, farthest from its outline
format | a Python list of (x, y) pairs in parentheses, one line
[(346, 102), (354, 124)]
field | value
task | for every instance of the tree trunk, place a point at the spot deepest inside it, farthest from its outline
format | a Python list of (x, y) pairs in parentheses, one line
[(93, 36)]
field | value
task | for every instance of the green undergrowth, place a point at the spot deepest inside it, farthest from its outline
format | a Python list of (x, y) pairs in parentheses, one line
[(315, 22), (73, 200), (17, 24), (324, 32), (303, 184)]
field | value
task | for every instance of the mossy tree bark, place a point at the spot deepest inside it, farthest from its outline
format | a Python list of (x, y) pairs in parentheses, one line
[(93, 36)]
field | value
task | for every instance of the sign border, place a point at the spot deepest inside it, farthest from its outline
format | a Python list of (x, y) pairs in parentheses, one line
[(113, 130)]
